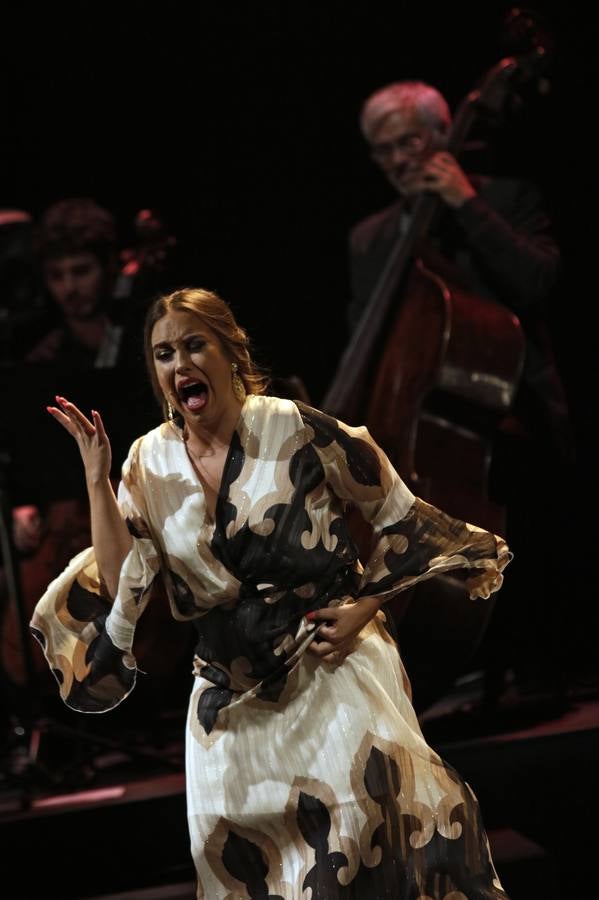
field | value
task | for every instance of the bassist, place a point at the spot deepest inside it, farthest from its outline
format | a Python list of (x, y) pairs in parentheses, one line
[(497, 238)]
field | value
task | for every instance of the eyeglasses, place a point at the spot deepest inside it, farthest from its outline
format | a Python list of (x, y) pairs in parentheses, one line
[(409, 144)]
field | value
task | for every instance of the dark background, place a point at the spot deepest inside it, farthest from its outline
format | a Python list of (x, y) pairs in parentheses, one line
[(238, 122)]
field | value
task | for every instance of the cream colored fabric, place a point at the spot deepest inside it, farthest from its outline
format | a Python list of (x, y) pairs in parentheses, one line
[(304, 780)]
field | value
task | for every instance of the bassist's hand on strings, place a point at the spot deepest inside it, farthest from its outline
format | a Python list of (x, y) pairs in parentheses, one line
[(442, 174)]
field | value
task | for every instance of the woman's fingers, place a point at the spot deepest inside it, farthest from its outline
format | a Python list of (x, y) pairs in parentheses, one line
[(92, 440), (71, 418), (336, 623), (325, 631), (335, 636), (328, 614), (328, 633), (328, 652), (321, 648), (76, 416), (64, 420), (99, 424)]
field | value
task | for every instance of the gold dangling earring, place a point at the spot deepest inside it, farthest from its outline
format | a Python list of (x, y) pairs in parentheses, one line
[(237, 383), (170, 411)]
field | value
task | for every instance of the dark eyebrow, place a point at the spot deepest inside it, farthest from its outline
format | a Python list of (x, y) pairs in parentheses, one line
[(187, 337)]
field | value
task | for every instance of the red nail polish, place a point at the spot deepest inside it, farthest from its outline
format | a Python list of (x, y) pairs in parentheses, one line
[(310, 616)]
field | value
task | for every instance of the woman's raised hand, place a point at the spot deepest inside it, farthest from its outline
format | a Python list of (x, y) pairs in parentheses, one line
[(91, 438)]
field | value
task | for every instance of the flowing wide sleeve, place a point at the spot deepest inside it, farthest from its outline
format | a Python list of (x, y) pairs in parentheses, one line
[(412, 540), (87, 637)]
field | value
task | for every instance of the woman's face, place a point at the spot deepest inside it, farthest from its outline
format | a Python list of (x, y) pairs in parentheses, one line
[(192, 368)]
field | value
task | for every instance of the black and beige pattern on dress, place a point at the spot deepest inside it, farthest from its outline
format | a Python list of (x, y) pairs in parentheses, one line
[(304, 780)]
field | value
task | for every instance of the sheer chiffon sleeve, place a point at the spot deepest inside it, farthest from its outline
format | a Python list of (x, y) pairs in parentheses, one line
[(412, 540), (87, 637)]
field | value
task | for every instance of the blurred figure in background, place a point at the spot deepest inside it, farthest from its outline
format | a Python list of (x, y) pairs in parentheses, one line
[(23, 313), (498, 238), (94, 295), (77, 248)]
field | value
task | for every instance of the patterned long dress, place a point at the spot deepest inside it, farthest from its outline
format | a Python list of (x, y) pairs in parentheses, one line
[(304, 779)]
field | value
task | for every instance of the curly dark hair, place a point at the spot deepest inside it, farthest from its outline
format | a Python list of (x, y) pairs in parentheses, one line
[(76, 225)]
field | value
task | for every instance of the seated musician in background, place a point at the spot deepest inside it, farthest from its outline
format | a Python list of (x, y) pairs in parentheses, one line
[(97, 295), (495, 232), (98, 291), (77, 249)]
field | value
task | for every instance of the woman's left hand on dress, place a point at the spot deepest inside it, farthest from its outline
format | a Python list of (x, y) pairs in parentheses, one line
[(340, 627)]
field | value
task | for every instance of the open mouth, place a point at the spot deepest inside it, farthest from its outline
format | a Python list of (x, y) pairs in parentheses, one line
[(193, 395)]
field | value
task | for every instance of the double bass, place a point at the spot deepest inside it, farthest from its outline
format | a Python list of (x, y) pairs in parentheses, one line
[(432, 369)]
